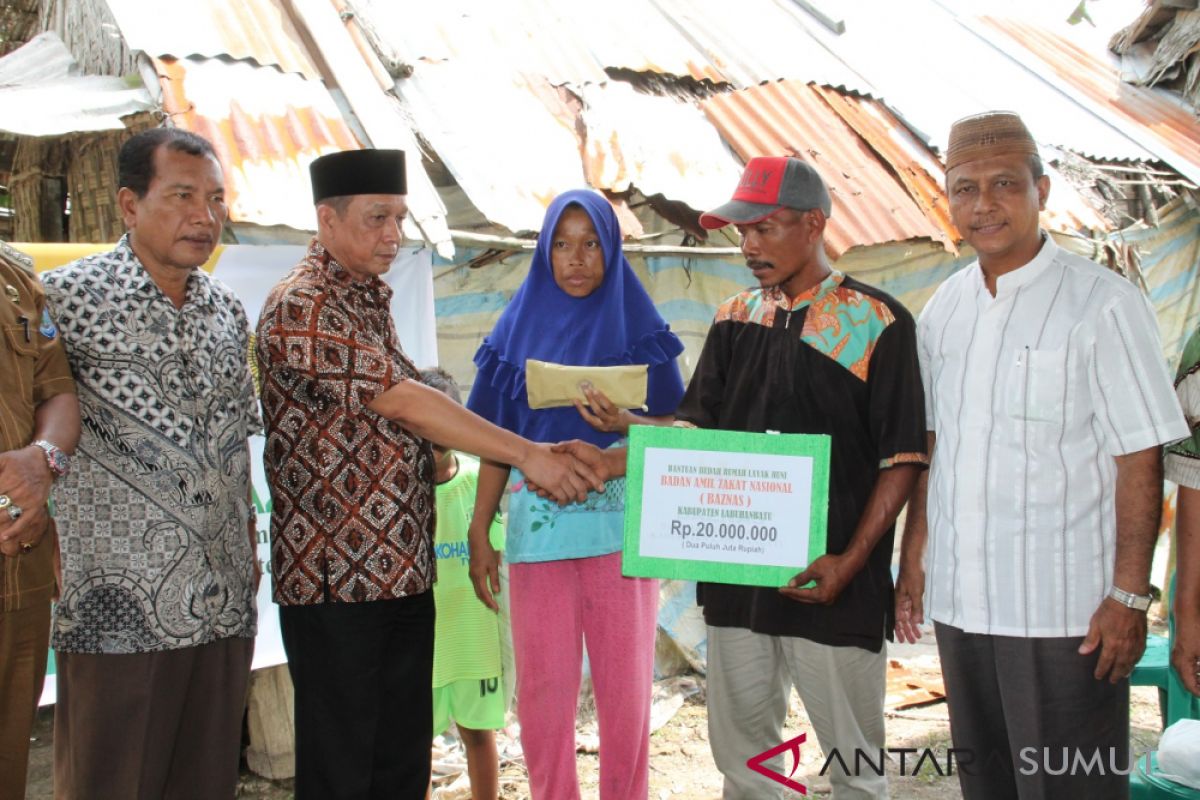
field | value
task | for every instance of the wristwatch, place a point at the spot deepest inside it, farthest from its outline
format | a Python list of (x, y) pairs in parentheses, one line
[(59, 461), (1138, 602)]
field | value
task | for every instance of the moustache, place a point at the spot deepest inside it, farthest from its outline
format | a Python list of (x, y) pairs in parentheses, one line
[(752, 263)]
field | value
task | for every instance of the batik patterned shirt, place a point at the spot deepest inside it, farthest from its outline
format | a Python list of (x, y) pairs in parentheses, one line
[(352, 492), (153, 517), (840, 359)]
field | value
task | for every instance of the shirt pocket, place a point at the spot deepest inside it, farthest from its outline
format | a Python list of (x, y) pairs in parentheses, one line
[(19, 360), (1037, 380)]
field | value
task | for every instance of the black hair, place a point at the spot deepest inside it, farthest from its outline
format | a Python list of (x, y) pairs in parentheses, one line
[(1035, 166), (438, 378), (339, 204), (135, 164)]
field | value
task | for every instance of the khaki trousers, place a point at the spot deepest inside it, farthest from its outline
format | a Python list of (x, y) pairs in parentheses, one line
[(750, 676)]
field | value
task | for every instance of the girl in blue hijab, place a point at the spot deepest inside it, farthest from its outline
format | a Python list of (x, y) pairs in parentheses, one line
[(582, 305)]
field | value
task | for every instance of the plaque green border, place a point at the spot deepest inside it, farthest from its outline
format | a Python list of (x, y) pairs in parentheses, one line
[(738, 443)]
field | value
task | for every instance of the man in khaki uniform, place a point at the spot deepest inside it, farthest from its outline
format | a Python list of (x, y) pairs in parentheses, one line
[(39, 427)]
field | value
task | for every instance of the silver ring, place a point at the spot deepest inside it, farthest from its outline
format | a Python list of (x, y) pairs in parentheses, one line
[(5, 501), (14, 511)]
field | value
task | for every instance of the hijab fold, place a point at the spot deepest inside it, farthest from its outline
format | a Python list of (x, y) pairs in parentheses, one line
[(616, 324)]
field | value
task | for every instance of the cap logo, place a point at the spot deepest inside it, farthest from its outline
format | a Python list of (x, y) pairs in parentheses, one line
[(760, 184)]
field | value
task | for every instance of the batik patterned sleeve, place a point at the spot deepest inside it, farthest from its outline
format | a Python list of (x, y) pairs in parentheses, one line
[(1131, 388), (310, 349), (1183, 457), (896, 395)]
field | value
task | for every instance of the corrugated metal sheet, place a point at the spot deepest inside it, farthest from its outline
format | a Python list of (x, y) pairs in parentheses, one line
[(764, 40), (42, 94), (567, 43), (886, 185), (924, 178), (508, 57), (657, 144), (356, 69), (240, 74), (512, 148), (1152, 117), (931, 70), (634, 35), (266, 126), (533, 36), (910, 161), (260, 30), (792, 118)]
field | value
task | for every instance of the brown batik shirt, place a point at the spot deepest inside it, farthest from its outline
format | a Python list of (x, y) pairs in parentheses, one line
[(352, 492)]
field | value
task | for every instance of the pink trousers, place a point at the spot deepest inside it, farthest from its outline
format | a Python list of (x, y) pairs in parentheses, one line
[(557, 607)]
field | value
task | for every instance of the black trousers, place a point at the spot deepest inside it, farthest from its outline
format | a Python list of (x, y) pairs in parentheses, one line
[(1032, 720), (363, 674)]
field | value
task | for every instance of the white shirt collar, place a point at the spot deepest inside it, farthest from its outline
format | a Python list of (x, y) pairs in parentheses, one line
[(1010, 282)]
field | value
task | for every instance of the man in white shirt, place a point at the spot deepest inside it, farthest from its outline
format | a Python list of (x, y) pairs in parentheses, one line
[(1048, 400)]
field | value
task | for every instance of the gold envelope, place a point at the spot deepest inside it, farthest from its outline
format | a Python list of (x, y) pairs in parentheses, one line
[(551, 385)]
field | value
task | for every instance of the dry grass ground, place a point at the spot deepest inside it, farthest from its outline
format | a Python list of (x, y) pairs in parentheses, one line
[(681, 764)]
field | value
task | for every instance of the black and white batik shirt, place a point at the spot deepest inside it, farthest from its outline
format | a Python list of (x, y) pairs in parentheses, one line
[(153, 516)]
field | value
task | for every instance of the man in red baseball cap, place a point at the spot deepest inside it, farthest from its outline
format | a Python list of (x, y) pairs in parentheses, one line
[(808, 350)]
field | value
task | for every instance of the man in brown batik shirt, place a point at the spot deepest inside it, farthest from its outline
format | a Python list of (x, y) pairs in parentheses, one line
[(350, 465)]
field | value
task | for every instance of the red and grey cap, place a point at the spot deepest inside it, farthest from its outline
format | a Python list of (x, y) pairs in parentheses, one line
[(767, 185)]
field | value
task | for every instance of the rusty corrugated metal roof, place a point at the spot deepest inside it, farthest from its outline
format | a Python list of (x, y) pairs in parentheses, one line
[(887, 185), (566, 43), (870, 206), (517, 60), (501, 35), (242, 75), (634, 35), (966, 68), (266, 126), (1149, 116), (659, 145), (910, 160), (260, 30)]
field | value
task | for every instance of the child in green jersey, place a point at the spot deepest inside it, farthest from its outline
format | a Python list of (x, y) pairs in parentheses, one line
[(467, 674)]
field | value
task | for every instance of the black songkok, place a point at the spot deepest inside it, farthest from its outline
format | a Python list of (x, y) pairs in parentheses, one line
[(358, 172)]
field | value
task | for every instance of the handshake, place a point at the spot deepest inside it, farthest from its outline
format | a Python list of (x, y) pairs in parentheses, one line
[(567, 471)]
